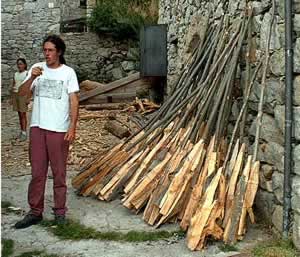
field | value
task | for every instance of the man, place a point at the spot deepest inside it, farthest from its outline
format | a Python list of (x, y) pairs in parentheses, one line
[(53, 126)]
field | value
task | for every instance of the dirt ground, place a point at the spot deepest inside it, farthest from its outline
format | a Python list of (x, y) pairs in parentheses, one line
[(92, 139)]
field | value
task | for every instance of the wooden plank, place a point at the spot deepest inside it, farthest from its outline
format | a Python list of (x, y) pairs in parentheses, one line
[(108, 87), (105, 106), (110, 98)]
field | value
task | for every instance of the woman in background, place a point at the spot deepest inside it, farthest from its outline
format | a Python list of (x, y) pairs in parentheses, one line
[(20, 103)]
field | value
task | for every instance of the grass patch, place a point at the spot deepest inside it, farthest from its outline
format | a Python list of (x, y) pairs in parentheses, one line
[(75, 231), (228, 248), (36, 254), (7, 247), (278, 248)]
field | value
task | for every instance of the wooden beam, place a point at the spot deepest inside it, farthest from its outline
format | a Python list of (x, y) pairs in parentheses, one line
[(108, 87)]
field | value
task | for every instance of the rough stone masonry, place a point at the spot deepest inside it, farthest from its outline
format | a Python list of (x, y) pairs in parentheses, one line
[(26, 22), (181, 17)]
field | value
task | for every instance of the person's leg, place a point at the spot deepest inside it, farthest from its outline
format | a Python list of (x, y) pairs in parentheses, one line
[(20, 119), (39, 168), (23, 121), (23, 108), (58, 150)]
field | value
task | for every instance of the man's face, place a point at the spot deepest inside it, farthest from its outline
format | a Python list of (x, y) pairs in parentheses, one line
[(51, 54)]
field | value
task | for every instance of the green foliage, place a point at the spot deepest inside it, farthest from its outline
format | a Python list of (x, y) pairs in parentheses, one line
[(76, 231), (7, 247), (123, 18), (228, 248), (277, 248)]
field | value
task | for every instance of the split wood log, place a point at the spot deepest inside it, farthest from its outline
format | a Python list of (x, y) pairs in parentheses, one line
[(232, 184), (181, 183), (201, 216), (197, 189), (114, 127)]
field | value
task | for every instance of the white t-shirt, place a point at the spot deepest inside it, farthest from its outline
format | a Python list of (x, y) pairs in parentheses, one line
[(51, 104), (19, 78)]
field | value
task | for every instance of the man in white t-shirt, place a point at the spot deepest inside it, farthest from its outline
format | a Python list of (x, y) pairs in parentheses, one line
[(53, 126)]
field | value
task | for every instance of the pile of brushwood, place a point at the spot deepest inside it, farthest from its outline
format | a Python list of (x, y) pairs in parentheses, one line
[(183, 166)]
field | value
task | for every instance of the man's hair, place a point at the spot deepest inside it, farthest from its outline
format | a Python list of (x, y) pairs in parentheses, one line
[(59, 45), (23, 61)]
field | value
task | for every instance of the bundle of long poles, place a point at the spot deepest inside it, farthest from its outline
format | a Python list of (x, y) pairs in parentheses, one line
[(182, 166)]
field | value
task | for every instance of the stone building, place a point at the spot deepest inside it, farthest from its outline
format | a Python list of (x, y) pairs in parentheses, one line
[(180, 16), (26, 22)]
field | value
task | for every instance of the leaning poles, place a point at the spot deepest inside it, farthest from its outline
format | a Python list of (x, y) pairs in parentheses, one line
[(179, 166)]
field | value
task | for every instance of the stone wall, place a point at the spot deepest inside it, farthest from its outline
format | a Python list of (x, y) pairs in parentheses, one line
[(179, 16), (71, 9), (100, 58), (26, 22)]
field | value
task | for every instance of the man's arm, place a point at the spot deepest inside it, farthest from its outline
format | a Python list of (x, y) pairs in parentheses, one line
[(25, 87), (74, 102)]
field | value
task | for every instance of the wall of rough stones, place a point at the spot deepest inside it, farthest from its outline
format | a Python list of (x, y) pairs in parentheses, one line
[(100, 58), (71, 9), (180, 15), (26, 22)]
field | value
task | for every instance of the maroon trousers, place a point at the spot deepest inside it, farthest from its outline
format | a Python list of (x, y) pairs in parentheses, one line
[(47, 146)]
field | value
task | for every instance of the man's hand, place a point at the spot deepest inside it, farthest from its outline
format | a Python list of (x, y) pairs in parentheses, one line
[(37, 71), (24, 89), (70, 134)]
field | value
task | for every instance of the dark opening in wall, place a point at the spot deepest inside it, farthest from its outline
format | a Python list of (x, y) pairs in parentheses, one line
[(83, 3), (77, 25)]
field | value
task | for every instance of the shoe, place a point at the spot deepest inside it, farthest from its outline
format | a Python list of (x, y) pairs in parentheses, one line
[(28, 221), (60, 219)]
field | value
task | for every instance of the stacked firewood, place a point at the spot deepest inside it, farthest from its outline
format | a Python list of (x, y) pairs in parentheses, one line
[(182, 165), (144, 106)]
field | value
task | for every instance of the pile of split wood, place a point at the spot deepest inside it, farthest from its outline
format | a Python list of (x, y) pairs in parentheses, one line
[(142, 106), (182, 165)]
